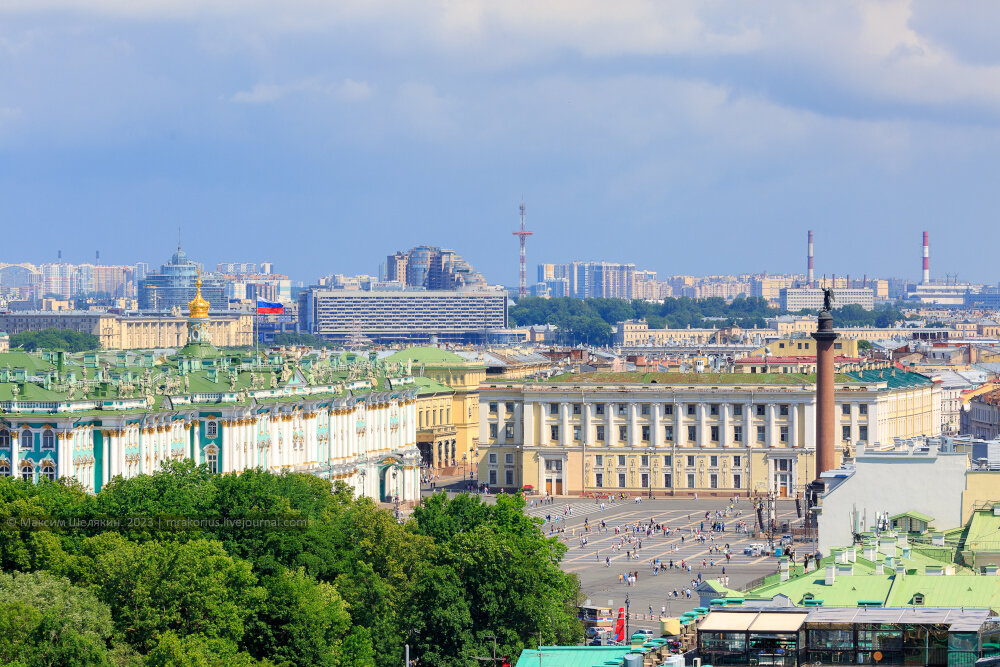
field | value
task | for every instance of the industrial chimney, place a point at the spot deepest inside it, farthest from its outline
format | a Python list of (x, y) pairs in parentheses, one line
[(810, 258), (927, 261)]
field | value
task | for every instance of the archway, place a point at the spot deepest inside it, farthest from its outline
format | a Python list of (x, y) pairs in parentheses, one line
[(388, 480)]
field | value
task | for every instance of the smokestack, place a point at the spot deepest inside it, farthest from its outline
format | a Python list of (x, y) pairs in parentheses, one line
[(810, 259), (927, 260)]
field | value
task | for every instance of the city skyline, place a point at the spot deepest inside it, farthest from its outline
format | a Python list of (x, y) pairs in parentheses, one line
[(634, 126)]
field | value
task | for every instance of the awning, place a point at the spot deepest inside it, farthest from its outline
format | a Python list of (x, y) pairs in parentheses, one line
[(778, 622), (722, 621)]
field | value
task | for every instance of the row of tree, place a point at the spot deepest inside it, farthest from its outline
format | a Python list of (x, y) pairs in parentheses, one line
[(55, 339), (590, 321), (344, 585)]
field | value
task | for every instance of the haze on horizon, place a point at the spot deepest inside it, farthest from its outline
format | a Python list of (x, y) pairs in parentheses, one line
[(684, 137)]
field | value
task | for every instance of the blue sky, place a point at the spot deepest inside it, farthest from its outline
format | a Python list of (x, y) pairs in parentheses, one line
[(687, 137)]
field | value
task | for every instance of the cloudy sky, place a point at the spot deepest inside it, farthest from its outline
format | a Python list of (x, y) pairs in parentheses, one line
[(686, 137)]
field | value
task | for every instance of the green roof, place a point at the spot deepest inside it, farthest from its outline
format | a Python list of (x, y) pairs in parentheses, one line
[(740, 379), (913, 515), (571, 656), (894, 378), (426, 355), (429, 386), (984, 532), (29, 362), (946, 591)]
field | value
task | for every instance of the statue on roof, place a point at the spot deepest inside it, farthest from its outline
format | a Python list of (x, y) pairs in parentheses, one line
[(828, 299), (187, 383), (409, 366), (232, 380)]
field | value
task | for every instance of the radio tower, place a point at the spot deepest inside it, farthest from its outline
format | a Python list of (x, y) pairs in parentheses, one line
[(522, 236)]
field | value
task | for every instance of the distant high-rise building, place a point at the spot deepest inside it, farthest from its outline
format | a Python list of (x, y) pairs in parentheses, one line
[(174, 286), (432, 268)]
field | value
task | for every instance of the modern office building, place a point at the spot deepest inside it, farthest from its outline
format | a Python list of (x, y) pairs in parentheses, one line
[(682, 433), (383, 316), (432, 268), (174, 286), (794, 299)]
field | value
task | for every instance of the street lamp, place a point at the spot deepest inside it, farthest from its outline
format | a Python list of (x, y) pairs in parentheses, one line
[(465, 457), (628, 636), (363, 473), (395, 491)]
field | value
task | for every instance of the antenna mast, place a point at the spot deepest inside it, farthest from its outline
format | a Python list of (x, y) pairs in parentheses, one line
[(522, 237)]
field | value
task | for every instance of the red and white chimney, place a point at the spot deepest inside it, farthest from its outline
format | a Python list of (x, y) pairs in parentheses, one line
[(927, 260), (810, 260)]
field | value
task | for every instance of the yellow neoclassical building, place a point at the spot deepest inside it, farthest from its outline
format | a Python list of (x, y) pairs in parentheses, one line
[(447, 406)]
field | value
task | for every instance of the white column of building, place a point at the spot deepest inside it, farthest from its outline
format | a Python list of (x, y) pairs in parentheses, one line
[(772, 436), (749, 432), (793, 430), (565, 435), (543, 423), (809, 424), (610, 432), (587, 432), (227, 445), (854, 422), (527, 423), (679, 435), (702, 415), (726, 436), (286, 427), (656, 429), (501, 419), (64, 467), (196, 428), (633, 423)]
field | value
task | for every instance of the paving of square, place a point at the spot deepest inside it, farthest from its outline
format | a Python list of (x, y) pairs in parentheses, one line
[(606, 557)]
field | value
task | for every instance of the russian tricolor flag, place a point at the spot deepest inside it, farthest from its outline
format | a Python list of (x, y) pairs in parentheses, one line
[(266, 307)]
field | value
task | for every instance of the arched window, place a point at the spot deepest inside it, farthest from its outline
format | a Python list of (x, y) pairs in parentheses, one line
[(211, 429), (27, 471), (48, 439), (27, 440), (4, 437), (49, 471), (212, 459), (4, 469)]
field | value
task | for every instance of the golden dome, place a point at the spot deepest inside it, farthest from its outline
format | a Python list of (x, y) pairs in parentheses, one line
[(198, 307)]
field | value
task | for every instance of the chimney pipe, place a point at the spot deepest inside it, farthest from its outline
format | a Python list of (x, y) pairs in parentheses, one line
[(810, 260), (927, 260)]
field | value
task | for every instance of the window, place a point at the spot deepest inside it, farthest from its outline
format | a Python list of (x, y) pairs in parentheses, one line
[(838, 346), (622, 409), (783, 434), (737, 481), (48, 439), (713, 461), (666, 460), (918, 599), (212, 459), (600, 432), (738, 409), (554, 432), (599, 460), (713, 481), (211, 429), (493, 458), (690, 462), (4, 469), (669, 433), (49, 472), (713, 409), (692, 433), (493, 477), (737, 461), (27, 441), (621, 480), (27, 472), (508, 477), (715, 434), (553, 409), (599, 480), (599, 409), (783, 410), (576, 433), (621, 460), (644, 409), (845, 433), (622, 433), (760, 410), (644, 460), (845, 409), (493, 407), (493, 430), (509, 407), (737, 434), (667, 480), (691, 409), (644, 479), (4, 437), (863, 409), (508, 458), (508, 431), (783, 465), (863, 433), (690, 480), (577, 408), (645, 434), (668, 409), (761, 434), (800, 346), (781, 346)]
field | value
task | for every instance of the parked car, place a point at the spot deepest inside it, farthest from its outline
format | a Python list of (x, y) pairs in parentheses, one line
[(643, 631), (754, 549), (595, 632)]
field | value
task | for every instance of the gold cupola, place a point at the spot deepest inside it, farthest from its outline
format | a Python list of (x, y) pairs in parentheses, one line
[(198, 307)]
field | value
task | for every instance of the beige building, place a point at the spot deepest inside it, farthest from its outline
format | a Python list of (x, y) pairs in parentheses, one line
[(685, 433), (805, 346), (127, 332)]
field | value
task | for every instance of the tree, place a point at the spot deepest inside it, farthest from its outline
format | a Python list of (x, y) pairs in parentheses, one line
[(55, 339)]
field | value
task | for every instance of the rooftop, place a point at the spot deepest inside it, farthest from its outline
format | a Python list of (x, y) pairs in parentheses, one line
[(742, 379)]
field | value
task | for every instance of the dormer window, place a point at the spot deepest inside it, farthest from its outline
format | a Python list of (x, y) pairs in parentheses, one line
[(918, 600)]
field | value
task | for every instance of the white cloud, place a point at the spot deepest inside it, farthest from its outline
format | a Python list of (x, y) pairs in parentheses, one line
[(347, 90)]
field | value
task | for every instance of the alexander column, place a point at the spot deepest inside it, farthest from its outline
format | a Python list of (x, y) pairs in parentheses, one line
[(825, 407)]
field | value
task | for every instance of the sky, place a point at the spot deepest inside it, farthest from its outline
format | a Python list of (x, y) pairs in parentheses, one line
[(685, 137)]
